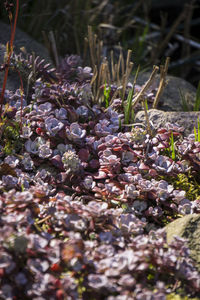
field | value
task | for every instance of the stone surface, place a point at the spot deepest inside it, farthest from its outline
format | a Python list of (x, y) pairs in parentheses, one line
[(159, 118), (187, 227), (21, 40), (171, 99)]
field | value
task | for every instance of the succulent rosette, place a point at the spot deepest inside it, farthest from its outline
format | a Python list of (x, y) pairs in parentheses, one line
[(84, 200), (75, 133)]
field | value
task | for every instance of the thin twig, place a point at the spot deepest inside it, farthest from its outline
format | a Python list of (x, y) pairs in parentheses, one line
[(122, 61), (99, 52), (185, 51), (136, 5), (158, 29), (44, 219), (112, 65), (53, 47), (162, 84), (146, 86), (136, 76), (186, 32), (91, 45), (161, 47), (147, 118), (118, 68), (85, 49), (129, 66)]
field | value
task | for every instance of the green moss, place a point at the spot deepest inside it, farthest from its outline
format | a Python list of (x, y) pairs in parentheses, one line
[(174, 296), (80, 284), (185, 182), (10, 132)]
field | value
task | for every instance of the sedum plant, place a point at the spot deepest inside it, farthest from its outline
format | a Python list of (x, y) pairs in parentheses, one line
[(84, 200)]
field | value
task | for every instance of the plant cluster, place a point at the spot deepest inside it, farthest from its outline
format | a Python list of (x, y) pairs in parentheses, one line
[(84, 198)]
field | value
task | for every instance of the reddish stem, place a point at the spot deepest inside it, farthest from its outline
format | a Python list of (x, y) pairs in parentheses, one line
[(9, 56)]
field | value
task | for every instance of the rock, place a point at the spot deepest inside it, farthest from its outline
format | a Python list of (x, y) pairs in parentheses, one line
[(170, 107), (22, 39), (187, 227), (159, 119), (171, 99)]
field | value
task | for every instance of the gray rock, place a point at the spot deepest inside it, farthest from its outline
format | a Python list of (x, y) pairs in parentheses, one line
[(171, 99), (187, 227), (159, 119), (22, 39)]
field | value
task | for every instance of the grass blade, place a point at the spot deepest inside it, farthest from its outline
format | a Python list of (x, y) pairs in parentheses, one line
[(197, 100), (106, 93), (146, 104), (195, 134), (173, 155), (184, 102), (128, 106), (132, 116)]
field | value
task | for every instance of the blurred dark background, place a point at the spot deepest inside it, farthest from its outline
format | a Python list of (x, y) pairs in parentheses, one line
[(152, 29)]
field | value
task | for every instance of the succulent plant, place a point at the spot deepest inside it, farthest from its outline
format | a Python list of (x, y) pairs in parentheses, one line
[(87, 199), (71, 162)]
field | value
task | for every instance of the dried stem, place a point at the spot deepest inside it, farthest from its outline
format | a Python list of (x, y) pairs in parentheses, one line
[(129, 67), (53, 47), (91, 45), (185, 51), (163, 44), (118, 72), (112, 65), (146, 86), (118, 68), (99, 52), (85, 48), (44, 219), (136, 76), (122, 60), (147, 118), (162, 84)]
